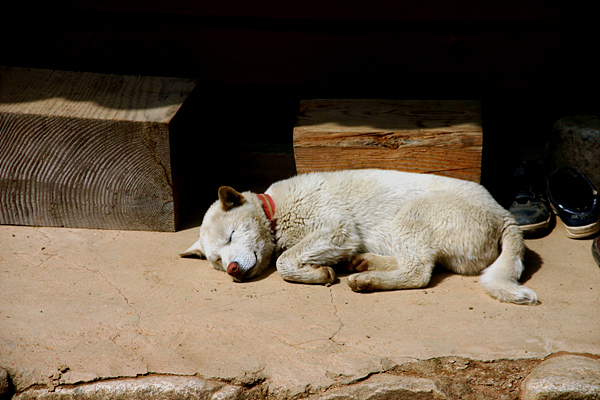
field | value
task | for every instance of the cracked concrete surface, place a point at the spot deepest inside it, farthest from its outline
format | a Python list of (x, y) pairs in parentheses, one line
[(86, 305)]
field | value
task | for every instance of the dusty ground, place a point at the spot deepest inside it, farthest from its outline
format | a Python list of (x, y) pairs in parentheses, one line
[(85, 305)]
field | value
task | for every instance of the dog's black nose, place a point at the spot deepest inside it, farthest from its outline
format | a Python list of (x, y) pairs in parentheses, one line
[(234, 270)]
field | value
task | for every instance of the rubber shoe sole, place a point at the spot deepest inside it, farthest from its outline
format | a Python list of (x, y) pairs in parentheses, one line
[(537, 227), (580, 232)]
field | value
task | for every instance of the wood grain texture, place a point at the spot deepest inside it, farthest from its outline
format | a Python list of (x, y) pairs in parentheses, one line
[(442, 137), (87, 150), (91, 96)]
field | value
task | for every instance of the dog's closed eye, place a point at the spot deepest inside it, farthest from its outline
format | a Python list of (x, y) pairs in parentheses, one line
[(216, 263)]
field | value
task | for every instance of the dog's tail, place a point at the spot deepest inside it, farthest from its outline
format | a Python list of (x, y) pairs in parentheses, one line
[(501, 278)]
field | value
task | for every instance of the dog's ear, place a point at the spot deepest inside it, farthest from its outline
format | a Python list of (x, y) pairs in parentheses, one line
[(194, 251), (230, 198)]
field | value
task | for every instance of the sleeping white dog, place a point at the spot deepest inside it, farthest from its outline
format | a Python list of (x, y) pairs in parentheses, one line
[(389, 227)]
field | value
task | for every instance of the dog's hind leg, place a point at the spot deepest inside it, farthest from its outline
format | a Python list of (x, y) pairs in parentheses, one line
[(413, 257), (390, 273)]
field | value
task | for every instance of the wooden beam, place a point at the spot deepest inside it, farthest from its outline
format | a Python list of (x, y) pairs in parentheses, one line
[(87, 150)]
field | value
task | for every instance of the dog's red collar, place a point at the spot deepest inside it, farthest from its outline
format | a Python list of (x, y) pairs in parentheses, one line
[(269, 207)]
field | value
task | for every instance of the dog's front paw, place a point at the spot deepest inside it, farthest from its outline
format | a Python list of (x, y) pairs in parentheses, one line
[(361, 283), (326, 274)]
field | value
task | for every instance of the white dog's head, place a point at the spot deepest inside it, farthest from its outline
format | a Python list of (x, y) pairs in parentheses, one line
[(235, 235)]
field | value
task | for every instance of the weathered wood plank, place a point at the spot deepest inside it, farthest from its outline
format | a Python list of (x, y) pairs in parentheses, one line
[(442, 137), (87, 150)]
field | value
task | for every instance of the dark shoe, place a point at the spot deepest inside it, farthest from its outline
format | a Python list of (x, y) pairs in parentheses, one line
[(530, 207), (575, 200), (596, 250)]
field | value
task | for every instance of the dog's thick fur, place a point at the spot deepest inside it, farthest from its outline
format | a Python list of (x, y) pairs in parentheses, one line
[(390, 227)]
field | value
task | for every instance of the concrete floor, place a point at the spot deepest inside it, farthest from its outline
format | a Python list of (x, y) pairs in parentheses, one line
[(82, 305)]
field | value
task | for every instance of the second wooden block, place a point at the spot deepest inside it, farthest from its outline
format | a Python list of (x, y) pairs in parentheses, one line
[(442, 137)]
